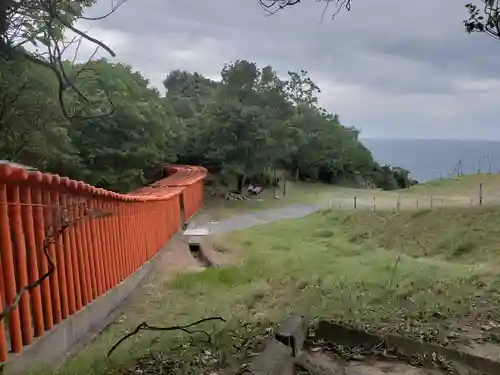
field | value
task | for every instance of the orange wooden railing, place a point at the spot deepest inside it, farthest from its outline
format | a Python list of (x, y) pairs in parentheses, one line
[(95, 238)]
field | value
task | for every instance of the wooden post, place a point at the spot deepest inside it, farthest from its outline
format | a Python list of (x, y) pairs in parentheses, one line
[(355, 205), (274, 182), (374, 204), (417, 202), (284, 184), (481, 194)]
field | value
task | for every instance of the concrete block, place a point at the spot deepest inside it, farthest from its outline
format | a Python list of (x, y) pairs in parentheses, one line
[(201, 246), (275, 359), (319, 364), (293, 333)]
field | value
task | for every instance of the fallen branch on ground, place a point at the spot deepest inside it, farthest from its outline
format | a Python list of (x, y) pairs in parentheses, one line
[(146, 327)]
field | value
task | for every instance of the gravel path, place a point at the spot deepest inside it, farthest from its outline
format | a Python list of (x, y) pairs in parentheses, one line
[(364, 202), (248, 220)]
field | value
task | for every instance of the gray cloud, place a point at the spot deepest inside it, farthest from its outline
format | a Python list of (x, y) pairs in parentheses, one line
[(389, 67)]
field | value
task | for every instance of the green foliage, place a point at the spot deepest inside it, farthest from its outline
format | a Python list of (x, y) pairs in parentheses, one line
[(484, 19), (243, 127), (390, 178)]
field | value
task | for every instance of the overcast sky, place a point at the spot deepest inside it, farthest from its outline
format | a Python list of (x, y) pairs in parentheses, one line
[(392, 68)]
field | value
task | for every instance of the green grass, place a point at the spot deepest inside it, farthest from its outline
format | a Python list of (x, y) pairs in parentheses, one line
[(467, 185), (458, 191), (413, 273)]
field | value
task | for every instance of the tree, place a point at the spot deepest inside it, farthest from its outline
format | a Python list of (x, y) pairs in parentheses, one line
[(32, 127), (483, 19), (118, 150), (43, 26), (242, 127)]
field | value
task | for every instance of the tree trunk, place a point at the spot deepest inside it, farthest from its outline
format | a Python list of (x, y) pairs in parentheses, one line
[(240, 179)]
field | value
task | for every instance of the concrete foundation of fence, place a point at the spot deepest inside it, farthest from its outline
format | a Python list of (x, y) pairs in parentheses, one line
[(57, 344)]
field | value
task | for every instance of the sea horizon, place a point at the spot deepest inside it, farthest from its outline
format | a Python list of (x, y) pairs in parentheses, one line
[(435, 158)]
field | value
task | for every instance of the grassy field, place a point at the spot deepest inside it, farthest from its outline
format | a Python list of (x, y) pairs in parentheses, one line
[(296, 193), (459, 191), (421, 273), (328, 265)]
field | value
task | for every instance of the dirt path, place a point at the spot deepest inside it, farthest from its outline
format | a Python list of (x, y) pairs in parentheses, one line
[(386, 201), (249, 220)]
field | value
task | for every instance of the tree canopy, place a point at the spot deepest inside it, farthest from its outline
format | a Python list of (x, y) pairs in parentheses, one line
[(103, 123), (242, 126), (483, 17)]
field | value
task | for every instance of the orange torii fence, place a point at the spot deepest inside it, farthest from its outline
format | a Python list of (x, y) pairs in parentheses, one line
[(85, 240)]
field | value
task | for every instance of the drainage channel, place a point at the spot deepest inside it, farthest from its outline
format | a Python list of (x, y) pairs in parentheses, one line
[(200, 246), (332, 349)]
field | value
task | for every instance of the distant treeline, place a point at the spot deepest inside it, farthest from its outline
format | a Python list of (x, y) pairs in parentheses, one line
[(241, 127)]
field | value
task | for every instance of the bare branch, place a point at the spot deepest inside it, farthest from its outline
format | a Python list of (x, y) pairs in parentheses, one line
[(114, 8), (43, 23), (184, 328), (274, 6)]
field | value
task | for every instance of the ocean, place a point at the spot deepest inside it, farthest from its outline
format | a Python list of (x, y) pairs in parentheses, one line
[(429, 159)]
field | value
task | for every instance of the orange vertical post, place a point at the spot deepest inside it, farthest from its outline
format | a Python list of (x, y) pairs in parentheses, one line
[(145, 231), (100, 243), (116, 231), (150, 221), (88, 243), (83, 218), (133, 233), (3, 341), (60, 223), (67, 250), (20, 260), (73, 245), (104, 249), (130, 226), (140, 246), (27, 214), (124, 240), (86, 289), (7, 264), (110, 206), (108, 236), (143, 228), (156, 222), (121, 239), (35, 179), (95, 246), (49, 234), (143, 219), (106, 245)]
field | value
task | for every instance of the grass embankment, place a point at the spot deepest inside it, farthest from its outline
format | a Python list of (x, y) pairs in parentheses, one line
[(458, 191), (418, 273)]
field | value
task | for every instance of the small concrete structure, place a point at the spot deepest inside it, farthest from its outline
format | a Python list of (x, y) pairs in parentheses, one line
[(275, 359), (200, 246), (293, 333)]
